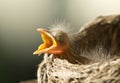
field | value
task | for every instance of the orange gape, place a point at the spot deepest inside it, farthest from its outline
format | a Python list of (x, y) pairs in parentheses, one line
[(49, 45)]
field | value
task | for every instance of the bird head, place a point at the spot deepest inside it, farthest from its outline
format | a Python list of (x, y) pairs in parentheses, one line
[(52, 43)]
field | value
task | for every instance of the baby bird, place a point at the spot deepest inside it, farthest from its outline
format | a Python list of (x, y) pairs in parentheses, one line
[(104, 31)]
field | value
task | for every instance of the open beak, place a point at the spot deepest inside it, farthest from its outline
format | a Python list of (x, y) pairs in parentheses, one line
[(49, 45)]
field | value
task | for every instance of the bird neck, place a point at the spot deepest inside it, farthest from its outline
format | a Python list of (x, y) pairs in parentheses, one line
[(72, 58)]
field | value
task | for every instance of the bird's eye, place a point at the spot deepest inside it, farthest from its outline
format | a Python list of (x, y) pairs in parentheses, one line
[(60, 38)]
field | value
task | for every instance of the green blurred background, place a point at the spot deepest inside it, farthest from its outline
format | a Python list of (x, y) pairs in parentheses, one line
[(19, 20)]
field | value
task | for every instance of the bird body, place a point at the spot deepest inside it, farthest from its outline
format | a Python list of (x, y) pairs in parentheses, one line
[(103, 33)]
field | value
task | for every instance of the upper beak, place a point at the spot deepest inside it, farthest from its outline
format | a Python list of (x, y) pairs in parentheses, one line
[(49, 45)]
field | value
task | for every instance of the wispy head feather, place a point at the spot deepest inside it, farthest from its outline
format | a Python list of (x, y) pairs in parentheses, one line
[(61, 25)]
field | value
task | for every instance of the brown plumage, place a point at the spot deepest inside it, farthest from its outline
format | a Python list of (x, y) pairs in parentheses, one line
[(104, 31)]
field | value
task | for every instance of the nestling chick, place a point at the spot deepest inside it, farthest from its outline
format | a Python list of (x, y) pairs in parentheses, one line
[(101, 32)]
